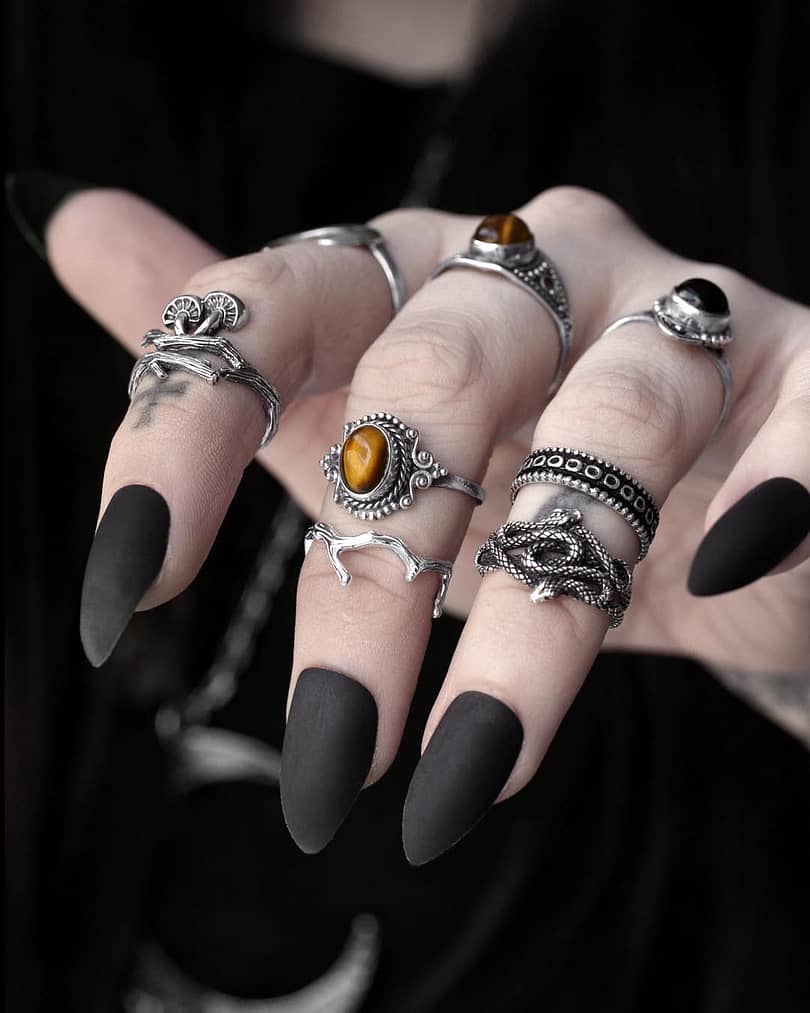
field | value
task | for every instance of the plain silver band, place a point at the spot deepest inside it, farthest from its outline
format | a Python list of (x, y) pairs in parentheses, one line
[(459, 484), (718, 357), (564, 326), (355, 235)]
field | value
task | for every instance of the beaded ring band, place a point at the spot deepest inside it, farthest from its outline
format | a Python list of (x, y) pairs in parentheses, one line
[(598, 479)]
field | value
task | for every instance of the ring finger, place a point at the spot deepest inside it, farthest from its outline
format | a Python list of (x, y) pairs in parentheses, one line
[(642, 402)]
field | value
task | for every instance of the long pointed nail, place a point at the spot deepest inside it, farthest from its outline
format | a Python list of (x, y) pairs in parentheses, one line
[(328, 749), (466, 764), (32, 197), (751, 538), (125, 557)]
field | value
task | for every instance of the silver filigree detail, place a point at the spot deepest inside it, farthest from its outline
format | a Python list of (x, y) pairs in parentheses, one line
[(408, 469)]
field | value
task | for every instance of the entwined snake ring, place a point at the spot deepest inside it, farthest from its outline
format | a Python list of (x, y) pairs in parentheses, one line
[(193, 324), (504, 244), (355, 235), (696, 312), (557, 555), (379, 467)]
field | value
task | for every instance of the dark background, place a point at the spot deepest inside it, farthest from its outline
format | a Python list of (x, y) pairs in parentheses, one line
[(659, 860)]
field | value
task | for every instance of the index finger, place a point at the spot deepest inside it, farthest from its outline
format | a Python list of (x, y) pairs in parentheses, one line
[(178, 456)]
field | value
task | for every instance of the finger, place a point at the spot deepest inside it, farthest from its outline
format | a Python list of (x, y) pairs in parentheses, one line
[(464, 363), (186, 442), (759, 521), (122, 277), (642, 402)]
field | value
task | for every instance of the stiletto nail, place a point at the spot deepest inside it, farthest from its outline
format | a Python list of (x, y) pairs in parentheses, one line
[(125, 557), (466, 764), (32, 197), (751, 538), (328, 749)]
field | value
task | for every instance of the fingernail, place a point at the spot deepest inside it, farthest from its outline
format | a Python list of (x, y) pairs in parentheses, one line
[(125, 557), (751, 538), (466, 764), (32, 197), (328, 749)]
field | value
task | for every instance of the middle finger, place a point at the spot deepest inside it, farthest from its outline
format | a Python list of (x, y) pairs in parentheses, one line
[(466, 362)]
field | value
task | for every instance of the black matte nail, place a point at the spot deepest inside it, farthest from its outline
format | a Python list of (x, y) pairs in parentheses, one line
[(328, 749), (126, 556), (32, 197), (461, 773), (751, 538)]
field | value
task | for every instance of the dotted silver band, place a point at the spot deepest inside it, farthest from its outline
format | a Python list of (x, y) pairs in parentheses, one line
[(598, 479)]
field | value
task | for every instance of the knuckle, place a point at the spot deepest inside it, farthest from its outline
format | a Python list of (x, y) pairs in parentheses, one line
[(437, 361), (586, 207), (251, 273), (378, 580), (637, 404)]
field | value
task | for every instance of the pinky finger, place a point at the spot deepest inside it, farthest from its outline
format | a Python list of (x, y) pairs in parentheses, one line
[(759, 521)]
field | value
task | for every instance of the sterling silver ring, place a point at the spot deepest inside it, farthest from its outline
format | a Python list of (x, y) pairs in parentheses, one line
[(695, 312), (504, 244), (557, 555), (192, 326), (379, 467), (355, 235), (414, 564)]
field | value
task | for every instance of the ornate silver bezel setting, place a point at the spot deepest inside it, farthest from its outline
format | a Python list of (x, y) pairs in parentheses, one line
[(526, 265), (407, 470), (679, 319)]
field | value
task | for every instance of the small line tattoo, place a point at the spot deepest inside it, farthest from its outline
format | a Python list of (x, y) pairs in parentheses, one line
[(147, 399), (565, 499)]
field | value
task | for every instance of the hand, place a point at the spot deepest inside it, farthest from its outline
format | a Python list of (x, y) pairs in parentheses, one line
[(465, 362)]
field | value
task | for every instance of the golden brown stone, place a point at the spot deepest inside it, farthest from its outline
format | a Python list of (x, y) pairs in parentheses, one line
[(364, 458), (504, 229)]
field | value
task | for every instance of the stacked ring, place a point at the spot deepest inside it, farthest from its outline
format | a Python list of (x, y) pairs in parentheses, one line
[(379, 467), (598, 479), (557, 556)]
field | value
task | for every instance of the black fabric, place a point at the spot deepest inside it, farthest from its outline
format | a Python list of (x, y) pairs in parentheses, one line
[(658, 861)]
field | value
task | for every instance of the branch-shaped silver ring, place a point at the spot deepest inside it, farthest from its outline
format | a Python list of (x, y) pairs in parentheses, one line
[(696, 312), (556, 556), (355, 235), (414, 564), (194, 323), (504, 244), (379, 467)]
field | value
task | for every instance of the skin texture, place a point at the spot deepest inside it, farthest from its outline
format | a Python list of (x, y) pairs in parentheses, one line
[(464, 362)]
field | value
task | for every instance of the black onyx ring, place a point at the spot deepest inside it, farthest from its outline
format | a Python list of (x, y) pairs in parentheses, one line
[(504, 244), (695, 312), (378, 468), (193, 325)]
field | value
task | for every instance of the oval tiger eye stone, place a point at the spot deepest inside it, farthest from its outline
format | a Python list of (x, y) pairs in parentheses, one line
[(503, 229), (364, 458)]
